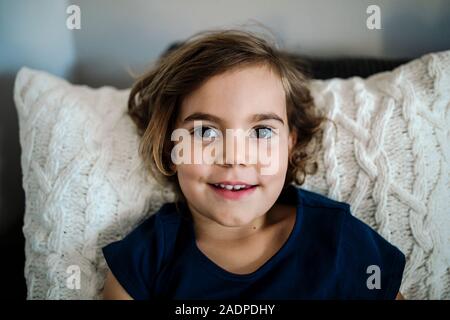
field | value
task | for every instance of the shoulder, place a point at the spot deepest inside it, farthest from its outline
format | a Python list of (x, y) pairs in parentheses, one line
[(372, 267), (317, 200), (150, 230), (322, 217), (155, 226), (355, 249), (136, 259)]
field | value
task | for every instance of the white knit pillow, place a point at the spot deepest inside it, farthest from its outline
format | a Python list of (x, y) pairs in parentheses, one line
[(85, 185), (390, 159), (84, 182)]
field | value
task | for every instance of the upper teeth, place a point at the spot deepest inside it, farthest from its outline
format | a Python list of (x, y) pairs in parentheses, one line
[(230, 186)]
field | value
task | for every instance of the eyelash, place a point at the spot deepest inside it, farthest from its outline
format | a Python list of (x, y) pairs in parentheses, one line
[(265, 127), (192, 131)]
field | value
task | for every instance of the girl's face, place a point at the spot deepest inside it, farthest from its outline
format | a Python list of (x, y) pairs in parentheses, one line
[(251, 99)]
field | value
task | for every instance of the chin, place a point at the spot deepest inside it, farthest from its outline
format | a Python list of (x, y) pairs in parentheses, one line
[(237, 219)]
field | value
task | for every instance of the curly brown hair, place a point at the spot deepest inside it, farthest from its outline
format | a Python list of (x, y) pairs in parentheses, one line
[(156, 96)]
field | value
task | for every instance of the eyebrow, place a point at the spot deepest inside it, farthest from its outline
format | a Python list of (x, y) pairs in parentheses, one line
[(254, 118)]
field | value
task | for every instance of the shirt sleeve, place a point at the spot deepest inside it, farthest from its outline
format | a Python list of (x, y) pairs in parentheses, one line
[(135, 259), (372, 267)]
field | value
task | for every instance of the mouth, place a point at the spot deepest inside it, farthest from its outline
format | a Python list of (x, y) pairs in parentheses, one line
[(233, 190)]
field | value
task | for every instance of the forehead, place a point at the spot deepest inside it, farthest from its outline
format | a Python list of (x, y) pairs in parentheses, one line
[(238, 93)]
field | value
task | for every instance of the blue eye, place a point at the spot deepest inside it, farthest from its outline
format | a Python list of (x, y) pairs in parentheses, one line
[(206, 133), (262, 133)]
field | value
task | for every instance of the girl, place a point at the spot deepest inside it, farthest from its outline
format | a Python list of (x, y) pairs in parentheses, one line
[(235, 231)]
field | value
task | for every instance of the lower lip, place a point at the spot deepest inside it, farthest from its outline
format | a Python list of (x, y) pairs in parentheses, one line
[(233, 195)]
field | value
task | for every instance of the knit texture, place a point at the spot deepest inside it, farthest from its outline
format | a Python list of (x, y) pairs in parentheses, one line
[(389, 158), (85, 185)]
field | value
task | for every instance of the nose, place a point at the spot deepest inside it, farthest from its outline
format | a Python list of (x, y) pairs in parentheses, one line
[(235, 151), (231, 159)]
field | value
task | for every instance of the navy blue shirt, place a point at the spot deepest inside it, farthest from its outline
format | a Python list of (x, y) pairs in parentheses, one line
[(330, 254)]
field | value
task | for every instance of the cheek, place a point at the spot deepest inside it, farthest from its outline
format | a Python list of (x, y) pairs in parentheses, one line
[(273, 163), (189, 174)]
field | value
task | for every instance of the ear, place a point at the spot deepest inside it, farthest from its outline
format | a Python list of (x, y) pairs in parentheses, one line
[(292, 139)]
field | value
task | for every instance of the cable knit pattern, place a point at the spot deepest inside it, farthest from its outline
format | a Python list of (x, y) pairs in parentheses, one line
[(84, 183), (390, 160), (389, 157)]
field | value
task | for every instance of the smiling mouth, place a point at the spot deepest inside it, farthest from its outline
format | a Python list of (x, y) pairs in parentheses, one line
[(233, 191), (233, 186)]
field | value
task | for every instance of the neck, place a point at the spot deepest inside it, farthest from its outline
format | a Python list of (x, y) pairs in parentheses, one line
[(209, 230)]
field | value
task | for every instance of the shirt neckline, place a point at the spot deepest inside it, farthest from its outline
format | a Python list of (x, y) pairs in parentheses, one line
[(291, 190)]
